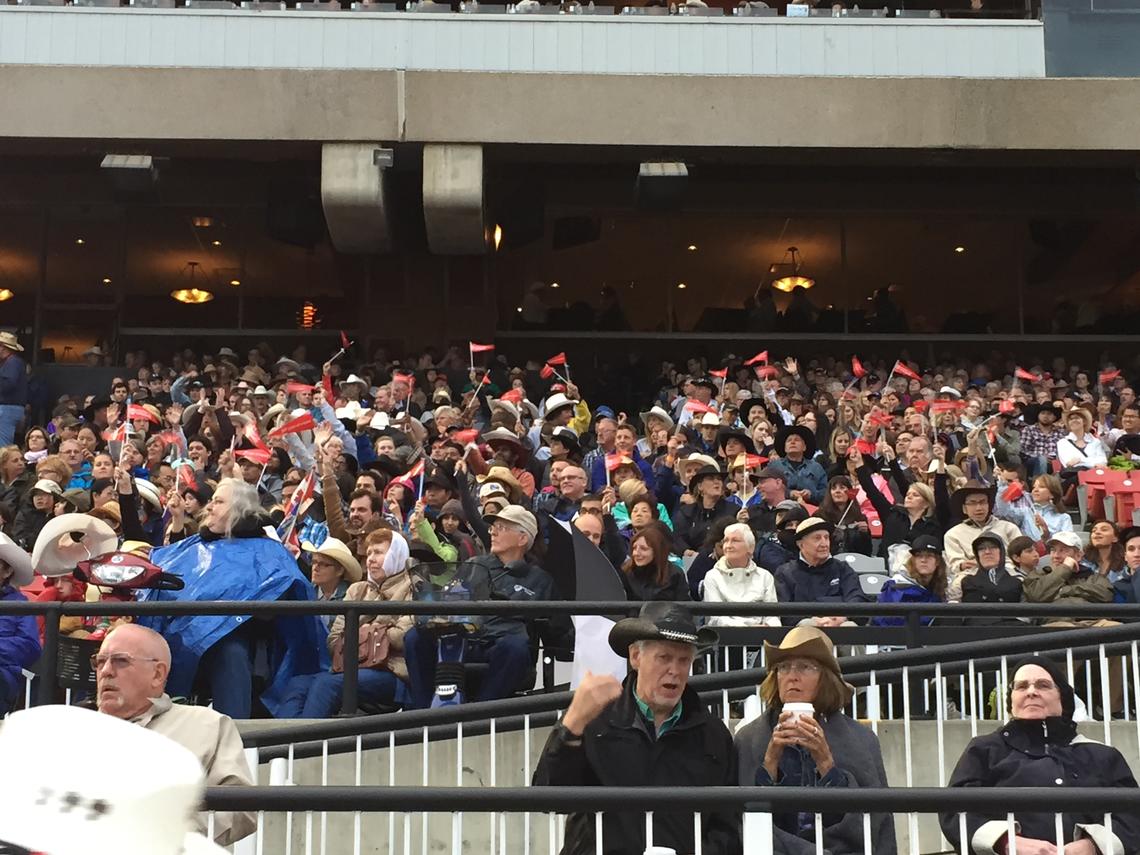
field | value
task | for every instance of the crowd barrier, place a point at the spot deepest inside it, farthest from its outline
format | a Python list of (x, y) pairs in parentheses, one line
[(755, 806)]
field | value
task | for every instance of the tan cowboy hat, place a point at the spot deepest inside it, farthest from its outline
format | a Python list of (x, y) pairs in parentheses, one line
[(68, 539), (339, 552), (806, 642), (8, 340), (1085, 415), (502, 475)]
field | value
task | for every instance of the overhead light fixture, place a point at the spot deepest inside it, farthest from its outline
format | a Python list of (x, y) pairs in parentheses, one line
[(192, 296), (692, 247), (79, 241), (307, 317), (131, 173), (6, 294), (959, 249), (106, 280), (217, 243), (554, 285), (235, 282), (202, 222), (497, 237), (518, 308), (787, 275), (682, 286)]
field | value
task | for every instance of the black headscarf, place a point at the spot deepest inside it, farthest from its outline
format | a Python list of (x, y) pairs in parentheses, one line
[(1068, 698)]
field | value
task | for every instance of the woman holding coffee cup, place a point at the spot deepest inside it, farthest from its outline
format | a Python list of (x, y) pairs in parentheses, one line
[(805, 740)]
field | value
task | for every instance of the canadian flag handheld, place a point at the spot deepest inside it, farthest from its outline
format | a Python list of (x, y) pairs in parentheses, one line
[(254, 435), (344, 342), (857, 368), (722, 373), (547, 372), (1106, 377), (692, 406), (1013, 492), (259, 456), (613, 461), (287, 531), (1022, 374), (557, 359), (480, 348), (762, 356), (293, 387), (904, 370), (864, 446), (303, 422)]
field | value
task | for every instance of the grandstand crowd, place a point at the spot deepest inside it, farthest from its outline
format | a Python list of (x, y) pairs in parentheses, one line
[(261, 476)]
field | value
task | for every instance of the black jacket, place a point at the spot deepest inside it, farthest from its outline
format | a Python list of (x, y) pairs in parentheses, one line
[(692, 522), (641, 585), (618, 749), (1025, 753), (895, 519), (831, 582)]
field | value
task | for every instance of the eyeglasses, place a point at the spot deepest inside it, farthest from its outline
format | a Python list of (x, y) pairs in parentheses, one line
[(1039, 685), (500, 526), (797, 668), (117, 660)]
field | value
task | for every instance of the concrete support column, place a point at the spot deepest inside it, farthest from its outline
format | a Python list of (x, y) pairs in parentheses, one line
[(354, 197), (453, 199)]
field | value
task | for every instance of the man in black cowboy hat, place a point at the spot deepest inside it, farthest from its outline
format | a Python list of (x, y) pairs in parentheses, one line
[(796, 446), (652, 730), (1040, 436)]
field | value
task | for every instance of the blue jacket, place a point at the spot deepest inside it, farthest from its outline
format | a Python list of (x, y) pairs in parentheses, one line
[(831, 582), (898, 590), (805, 475), (13, 382), (19, 648), (254, 569)]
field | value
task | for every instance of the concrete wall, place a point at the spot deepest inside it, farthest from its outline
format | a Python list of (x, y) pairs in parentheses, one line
[(515, 761), (594, 44), (68, 103)]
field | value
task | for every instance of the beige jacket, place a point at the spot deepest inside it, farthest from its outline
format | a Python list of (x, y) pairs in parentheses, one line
[(214, 740), (398, 587), (958, 542)]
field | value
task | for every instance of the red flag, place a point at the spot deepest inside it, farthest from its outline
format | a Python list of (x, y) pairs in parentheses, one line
[(116, 434), (465, 436), (1106, 377), (766, 371), (762, 356), (904, 370), (416, 471), (480, 348), (614, 460), (947, 406), (722, 373), (171, 437), (292, 387), (260, 456), (344, 342), (557, 359), (1013, 492), (1022, 374), (1006, 406), (138, 411), (301, 423), (486, 381), (754, 461), (692, 406), (921, 405), (254, 435), (857, 368), (547, 372), (515, 396), (881, 419), (864, 446)]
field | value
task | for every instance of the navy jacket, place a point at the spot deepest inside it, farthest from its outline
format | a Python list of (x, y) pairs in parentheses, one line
[(13, 382), (831, 582), (19, 648)]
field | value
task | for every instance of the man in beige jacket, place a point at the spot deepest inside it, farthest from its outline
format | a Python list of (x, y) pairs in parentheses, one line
[(131, 670)]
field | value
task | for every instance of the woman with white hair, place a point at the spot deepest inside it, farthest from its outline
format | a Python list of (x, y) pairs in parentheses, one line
[(232, 557), (736, 578)]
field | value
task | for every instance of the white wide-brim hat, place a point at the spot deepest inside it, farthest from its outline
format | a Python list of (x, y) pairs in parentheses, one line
[(55, 555), (17, 559), (140, 793)]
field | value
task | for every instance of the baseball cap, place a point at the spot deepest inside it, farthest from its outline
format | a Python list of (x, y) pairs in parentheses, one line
[(1067, 538), (46, 485), (516, 515)]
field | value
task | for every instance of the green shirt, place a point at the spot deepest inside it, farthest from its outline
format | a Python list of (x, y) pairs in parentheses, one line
[(666, 725)]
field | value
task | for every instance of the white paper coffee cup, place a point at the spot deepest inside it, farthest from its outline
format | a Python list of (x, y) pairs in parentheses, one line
[(799, 709)]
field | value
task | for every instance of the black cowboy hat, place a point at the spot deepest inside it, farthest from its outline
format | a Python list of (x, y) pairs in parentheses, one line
[(707, 382), (1032, 411), (702, 473), (748, 404), (958, 497), (660, 621), (727, 433), (803, 433)]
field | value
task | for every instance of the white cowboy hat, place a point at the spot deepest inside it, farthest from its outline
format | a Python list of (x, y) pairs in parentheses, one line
[(149, 493), (340, 553), (68, 539), (352, 380), (352, 411), (143, 799), (261, 392), (94, 351), (18, 560), (660, 413), (556, 402), (380, 421), (507, 407)]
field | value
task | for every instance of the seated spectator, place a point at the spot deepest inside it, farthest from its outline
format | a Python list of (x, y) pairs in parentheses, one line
[(648, 574), (333, 569), (1079, 449), (1128, 585), (38, 506), (815, 577), (19, 637), (839, 507), (451, 525), (1039, 515), (131, 670), (692, 520), (635, 497), (922, 579), (1023, 555), (991, 580), (903, 523), (650, 731), (772, 484), (973, 504), (796, 447), (779, 547), (1126, 439), (1039, 747), (503, 641), (824, 749), (232, 558), (744, 474), (735, 578), (382, 674), (1068, 578), (1040, 437), (1105, 552), (708, 555)]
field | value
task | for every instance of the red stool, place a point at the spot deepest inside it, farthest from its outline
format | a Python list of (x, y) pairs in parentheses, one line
[(1099, 481), (1126, 495)]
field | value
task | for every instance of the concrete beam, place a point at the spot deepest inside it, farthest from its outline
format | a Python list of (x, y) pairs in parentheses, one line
[(354, 197), (453, 199)]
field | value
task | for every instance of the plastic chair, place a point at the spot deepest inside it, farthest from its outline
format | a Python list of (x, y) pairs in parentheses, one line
[(1125, 494), (1097, 483), (863, 563), (872, 584)]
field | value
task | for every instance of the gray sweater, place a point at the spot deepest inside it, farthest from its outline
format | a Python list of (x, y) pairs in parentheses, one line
[(855, 750)]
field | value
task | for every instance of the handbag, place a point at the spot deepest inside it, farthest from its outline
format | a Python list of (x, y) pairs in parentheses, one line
[(372, 651)]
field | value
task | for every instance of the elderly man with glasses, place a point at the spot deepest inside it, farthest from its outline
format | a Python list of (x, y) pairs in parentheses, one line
[(131, 668), (503, 641)]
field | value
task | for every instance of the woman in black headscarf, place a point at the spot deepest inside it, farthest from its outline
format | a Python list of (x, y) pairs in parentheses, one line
[(1039, 747)]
